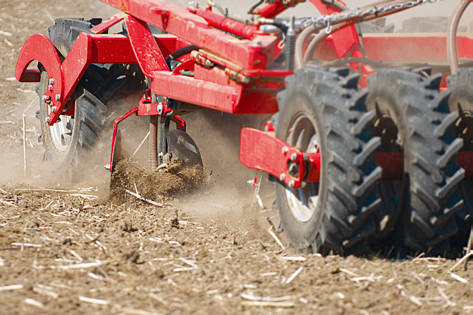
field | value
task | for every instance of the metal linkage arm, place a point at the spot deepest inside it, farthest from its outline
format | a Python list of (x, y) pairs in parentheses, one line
[(262, 151)]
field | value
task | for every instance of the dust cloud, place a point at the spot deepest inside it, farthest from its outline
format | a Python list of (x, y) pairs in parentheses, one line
[(228, 196)]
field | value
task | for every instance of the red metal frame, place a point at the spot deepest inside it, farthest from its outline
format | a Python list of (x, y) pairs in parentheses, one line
[(233, 69), (146, 107)]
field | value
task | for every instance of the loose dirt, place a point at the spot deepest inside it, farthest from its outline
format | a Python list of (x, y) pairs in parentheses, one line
[(74, 249)]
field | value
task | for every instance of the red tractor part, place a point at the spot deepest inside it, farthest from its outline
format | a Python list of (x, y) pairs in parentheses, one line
[(264, 152), (366, 140)]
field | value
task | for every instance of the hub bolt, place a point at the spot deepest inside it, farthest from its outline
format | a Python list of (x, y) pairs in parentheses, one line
[(291, 184), (58, 97), (50, 87), (208, 64), (47, 120), (54, 108), (284, 149), (293, 156), (293, 169), (51, 81), (45, 98), (282, 177)]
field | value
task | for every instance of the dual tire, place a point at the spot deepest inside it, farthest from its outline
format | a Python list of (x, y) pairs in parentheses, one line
[(350, 210)]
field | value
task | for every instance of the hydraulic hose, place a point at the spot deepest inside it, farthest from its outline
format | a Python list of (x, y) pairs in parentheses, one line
[(452, 55)]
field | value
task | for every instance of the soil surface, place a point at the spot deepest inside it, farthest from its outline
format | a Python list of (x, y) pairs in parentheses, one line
[(71, 248)]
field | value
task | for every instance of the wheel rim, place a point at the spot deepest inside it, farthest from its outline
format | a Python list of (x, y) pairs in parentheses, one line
[(61, 132), (303, 201)]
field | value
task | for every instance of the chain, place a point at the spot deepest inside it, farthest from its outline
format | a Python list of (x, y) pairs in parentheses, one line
[(335, 18)]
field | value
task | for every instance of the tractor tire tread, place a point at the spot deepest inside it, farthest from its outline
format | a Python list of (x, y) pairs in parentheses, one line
[(347, 220)]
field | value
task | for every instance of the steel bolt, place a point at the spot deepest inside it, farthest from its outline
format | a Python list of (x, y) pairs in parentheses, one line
[(291, 184), (282, 177), (54, 108), (293, 169), (45, 97), (293, 156), (284, 149), (51, 81), (160, 108), (50, 87), (47, 120), (243, 79), (58, 97), (208, 63)]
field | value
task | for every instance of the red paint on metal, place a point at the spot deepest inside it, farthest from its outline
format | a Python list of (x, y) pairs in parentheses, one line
[(180, 122), (147, 52), (197, 31), (248, 73), (186, 65), (409, 48), (31, 75), (345, 39), (314, 166), (86, 50), (271, 10), (115, 129), (102, 27), (227, 25), (146, 107), (39, 47), (263, 151), (269, 127), (195, 91)]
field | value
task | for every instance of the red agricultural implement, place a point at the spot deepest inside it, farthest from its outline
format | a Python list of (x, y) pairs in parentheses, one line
[(370, 141)]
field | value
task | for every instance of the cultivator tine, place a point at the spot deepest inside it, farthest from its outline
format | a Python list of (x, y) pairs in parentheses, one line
[(117, 152)]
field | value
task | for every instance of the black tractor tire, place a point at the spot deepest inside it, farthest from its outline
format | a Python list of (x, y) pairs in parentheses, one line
[(68, 143), (323, 110), (460, 90), (425, 134)]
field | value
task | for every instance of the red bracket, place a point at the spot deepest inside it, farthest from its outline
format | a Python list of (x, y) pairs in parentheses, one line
[(146, 106), (115, 129), (262, 151)]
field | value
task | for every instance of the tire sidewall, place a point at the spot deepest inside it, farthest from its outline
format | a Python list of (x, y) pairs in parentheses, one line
[(301, 234), (60, 160)]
